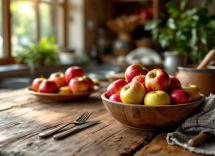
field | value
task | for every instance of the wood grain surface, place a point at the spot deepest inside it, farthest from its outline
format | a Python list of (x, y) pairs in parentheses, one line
[(23, 117)]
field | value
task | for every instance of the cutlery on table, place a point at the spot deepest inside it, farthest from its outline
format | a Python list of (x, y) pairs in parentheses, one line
[(78, 121), (75, 129)]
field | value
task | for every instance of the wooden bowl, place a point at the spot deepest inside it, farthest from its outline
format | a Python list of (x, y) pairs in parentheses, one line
[(114, 77), (150, 117), (62, 97)]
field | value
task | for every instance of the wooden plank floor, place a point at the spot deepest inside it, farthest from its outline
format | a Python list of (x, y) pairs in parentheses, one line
[(23, 117)]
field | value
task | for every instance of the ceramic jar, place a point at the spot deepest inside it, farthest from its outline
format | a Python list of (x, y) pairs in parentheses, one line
[(171, 62)]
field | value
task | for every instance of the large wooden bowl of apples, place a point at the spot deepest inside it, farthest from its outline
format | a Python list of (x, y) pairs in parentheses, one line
[(151, 100), (71, 86)]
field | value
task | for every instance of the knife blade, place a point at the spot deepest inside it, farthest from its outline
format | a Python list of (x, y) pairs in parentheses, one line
[(75, 129)]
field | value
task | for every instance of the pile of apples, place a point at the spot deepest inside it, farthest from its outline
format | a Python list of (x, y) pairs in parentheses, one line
[(155, 87), (73, 81)]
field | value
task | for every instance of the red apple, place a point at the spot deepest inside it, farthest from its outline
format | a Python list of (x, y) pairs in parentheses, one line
[(158, 97), (140, 78), (146, 91), (132, 93), (115, 97), (193, 90), (115, 87), (134, 70), (78, 84), (63, 90), (73, 72), (174, 84), (48, 86), (36, 83), (59, 78), (90, 82), (157, 79), (179, 96)]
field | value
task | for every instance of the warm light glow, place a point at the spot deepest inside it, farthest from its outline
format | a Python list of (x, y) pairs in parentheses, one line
[(25, 8)]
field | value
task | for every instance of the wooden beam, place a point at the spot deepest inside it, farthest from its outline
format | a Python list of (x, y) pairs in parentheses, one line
[(6, 33), (155, 9), (6, 27)]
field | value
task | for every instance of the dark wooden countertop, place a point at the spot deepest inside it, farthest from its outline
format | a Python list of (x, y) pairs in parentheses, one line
[(23, 117)]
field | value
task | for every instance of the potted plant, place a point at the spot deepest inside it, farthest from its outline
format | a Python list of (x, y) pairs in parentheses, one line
[(20, 54), (44, 52), (189, 31)]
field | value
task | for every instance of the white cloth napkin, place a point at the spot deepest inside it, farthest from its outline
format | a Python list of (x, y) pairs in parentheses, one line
[(202, 121)]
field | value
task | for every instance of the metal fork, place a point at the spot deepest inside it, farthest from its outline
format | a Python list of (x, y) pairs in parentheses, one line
[(78, 121)]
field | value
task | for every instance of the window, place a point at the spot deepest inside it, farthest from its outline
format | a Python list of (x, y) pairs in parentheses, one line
[(52, 26), (25, 21), (23, 24)]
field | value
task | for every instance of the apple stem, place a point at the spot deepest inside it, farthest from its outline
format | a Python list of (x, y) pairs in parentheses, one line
[(140, 74), (154, 89), (60, 71), (41, 76)]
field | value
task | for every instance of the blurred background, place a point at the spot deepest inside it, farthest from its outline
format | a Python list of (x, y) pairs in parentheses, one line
[(39, 37)]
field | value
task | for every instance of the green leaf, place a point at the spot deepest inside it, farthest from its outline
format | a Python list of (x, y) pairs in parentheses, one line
[(152, 25), (164, 43), (183, 4), (171, 23), (203, 38), (155, 34), (212, 24), (190, 12), (193, 38), (172, 9), (170, 5), (207, 3)]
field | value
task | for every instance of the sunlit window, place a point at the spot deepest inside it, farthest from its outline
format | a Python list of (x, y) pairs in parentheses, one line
[(23, 24), (27, 21), (51, 22)]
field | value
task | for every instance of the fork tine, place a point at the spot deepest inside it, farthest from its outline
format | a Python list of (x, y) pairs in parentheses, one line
[(86, 117), (81, 116)]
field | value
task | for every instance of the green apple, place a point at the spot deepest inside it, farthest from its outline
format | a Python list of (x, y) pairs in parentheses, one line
[(64, 90), (158, 97), (132, 93), (193, 90)]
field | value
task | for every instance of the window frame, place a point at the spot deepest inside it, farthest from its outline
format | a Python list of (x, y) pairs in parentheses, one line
[(6, 20)]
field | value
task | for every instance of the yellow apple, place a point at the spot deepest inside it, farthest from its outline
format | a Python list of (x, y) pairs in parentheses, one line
[(95, 81), (133, 93), (158, 97), (193, 90), (63, 90)]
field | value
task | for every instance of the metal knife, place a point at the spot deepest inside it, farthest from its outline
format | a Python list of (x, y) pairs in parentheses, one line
[(75, 129)]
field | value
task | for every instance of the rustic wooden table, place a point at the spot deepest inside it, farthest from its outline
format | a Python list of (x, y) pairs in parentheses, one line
[(23, 117)]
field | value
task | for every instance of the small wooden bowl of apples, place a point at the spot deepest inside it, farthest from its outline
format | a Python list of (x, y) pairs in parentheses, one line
[(71, 86), (151, 100)]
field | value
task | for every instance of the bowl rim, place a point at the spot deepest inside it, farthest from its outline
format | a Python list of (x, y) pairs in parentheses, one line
[(135, 105), (30, 91)]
